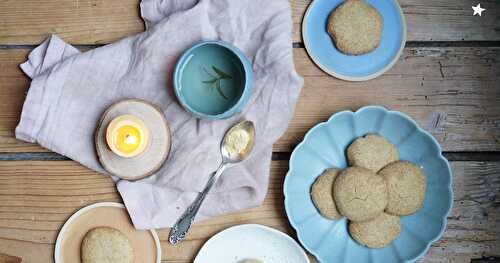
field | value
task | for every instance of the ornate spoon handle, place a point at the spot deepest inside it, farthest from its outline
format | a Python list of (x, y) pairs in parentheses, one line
[(183, 224)]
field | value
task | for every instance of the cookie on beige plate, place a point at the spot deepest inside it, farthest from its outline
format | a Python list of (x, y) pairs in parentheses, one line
[(406, 185), (360, 194), (355, 27), (106, 245), (372, 151), (376, 233), (322, 194)]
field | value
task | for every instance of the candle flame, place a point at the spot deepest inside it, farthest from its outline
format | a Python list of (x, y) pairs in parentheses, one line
[(130, 139)]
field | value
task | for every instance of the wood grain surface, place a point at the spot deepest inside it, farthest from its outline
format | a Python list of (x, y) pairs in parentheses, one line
[(36, 197), (449, 91), (103, 21), (447, 80), (4, 258), (434, 20)]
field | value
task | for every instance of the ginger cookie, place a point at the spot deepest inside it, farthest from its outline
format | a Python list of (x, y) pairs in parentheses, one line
[(372, 152), (322, 194), (355, 27), (360, 194), (106, 245), (376, 233), (406, 185)]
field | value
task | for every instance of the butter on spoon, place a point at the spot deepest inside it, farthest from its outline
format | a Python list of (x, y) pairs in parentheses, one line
[(236, 146)]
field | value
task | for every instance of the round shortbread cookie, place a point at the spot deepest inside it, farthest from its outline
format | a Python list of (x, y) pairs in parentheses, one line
[(406, 185), (360, 194), (376, 233), (106, 245), (322, 194), (372, 152), (355, 27)]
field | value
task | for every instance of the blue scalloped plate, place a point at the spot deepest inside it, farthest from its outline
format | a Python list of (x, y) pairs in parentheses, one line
[(323, 52), (324, 147)]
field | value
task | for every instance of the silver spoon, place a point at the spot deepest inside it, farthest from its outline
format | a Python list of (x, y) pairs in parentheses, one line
[(182, 226)]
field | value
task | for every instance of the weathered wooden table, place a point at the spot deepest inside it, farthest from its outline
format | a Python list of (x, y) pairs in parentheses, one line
[(448, 79)]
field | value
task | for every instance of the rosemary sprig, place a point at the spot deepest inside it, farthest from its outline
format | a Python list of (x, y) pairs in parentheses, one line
[(209, 81), (221, 73), (217, 84), (216, 80)]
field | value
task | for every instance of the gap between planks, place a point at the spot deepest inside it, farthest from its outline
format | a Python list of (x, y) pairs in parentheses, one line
[(277, 156), (409, 44)]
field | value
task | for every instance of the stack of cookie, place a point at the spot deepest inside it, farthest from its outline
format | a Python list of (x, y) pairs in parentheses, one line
[(373, 193)]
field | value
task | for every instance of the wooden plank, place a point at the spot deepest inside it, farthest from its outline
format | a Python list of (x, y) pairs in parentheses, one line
[(451, 92), (98, 22), (9, 259), (434, 20), (76, 21), (36, 197), (13, 87)]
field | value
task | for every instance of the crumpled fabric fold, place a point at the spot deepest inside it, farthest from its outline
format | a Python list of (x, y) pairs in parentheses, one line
[(71, 89)]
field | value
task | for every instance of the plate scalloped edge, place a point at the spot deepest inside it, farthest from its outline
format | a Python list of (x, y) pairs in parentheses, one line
[(386, 111)]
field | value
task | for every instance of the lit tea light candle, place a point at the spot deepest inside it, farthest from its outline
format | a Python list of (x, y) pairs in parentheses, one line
[(127, 136)]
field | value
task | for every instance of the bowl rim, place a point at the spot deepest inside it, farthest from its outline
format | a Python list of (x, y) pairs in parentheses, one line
[(332, 72), (418, 129), (247, 78)]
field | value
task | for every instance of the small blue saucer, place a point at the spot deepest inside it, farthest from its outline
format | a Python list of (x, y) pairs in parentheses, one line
[(323, 52)]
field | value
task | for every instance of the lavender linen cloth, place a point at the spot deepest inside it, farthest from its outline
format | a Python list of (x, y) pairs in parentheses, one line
[(70, 90)]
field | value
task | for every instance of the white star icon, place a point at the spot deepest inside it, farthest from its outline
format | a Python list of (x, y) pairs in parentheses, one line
[(478, 10)]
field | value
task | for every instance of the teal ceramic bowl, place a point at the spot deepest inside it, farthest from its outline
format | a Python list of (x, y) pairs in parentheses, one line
[(213, 80), (324, 146)]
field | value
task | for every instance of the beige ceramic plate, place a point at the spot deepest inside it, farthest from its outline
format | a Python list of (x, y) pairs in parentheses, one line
[(145, 243)]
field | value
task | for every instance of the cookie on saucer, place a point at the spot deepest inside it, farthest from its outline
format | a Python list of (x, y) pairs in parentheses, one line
[(355, 27), (406, 185), (376, 233), (360, 194), (372, 152), (322, 194), (106, 245)]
